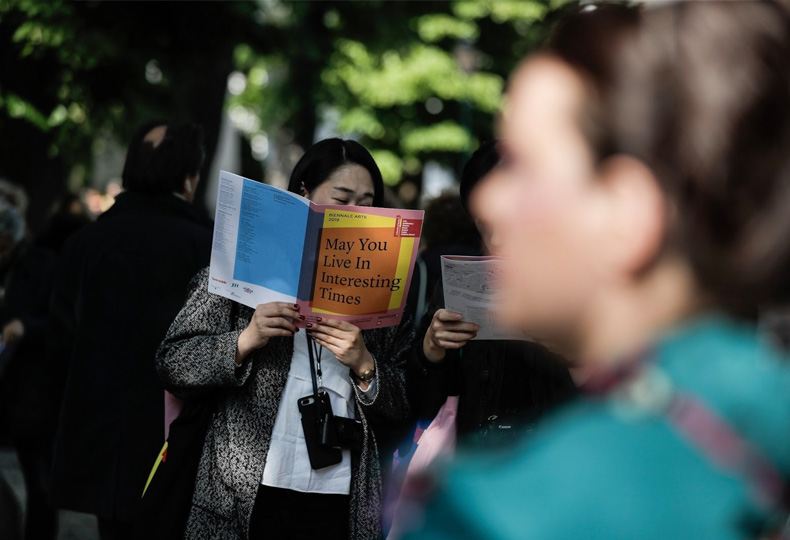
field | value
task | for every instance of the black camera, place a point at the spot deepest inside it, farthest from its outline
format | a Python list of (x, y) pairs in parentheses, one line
[(325, 434), (341, 432)]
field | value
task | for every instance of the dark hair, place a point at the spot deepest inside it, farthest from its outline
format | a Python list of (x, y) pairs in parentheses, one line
[(700, 93), (163, 168), (448, 224), (482, 162), (327, 156)]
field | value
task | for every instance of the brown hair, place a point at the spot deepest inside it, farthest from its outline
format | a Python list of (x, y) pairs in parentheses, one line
[(700, 92)]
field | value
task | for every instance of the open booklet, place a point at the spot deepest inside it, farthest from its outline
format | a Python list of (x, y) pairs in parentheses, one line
[(346, 262), (469, 286)]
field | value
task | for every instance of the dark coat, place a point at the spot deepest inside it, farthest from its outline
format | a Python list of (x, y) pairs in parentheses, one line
[(197, 359), (503, 386), (123, 281), (29, 384)]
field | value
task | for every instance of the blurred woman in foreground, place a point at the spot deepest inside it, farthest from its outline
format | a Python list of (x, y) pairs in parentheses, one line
[(650, 148)]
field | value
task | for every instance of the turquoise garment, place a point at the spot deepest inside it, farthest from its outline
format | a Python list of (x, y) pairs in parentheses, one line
[(609, 469)]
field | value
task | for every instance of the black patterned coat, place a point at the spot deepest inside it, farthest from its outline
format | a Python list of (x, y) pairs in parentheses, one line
[(197, 356)]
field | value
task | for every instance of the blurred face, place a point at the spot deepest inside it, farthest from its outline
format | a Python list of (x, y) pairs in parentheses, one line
[(489, 206), (548, 208), (350, 184), (156, 135)]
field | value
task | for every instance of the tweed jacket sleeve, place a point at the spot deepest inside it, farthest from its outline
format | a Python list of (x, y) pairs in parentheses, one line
[(198, 353)]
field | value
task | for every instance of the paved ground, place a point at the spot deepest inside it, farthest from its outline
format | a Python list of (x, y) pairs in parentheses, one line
[(73, 525)]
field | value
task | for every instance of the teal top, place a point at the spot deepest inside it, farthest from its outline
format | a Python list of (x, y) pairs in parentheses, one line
[(612, 468)]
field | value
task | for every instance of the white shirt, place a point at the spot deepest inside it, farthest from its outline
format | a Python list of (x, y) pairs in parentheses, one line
[(287, 463)]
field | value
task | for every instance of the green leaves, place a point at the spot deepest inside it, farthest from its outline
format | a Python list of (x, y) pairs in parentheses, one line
[(413, 81), (432, 28), (446, 136), (424, 93), (405, 97), (391, 166), (18, 107), (363, 121), (501, 11), (409, 77)]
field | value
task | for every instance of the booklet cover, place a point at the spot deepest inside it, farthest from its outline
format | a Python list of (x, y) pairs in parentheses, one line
[(469, 286), (346, 262)]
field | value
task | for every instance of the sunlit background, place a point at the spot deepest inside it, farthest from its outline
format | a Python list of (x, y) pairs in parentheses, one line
[(419, 83)]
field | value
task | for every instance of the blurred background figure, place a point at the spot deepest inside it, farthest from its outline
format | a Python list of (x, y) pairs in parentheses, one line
[(68, 216), (30, 384), (502, 385), (12, 232), (14, 195), (122, 280), (648, 226), (448, 230)]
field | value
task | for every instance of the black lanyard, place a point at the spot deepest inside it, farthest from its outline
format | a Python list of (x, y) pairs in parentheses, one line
[(314, 351)]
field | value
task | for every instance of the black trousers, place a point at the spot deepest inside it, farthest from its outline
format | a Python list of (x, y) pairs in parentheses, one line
[(41, 521), (110, 529), (292, 515)]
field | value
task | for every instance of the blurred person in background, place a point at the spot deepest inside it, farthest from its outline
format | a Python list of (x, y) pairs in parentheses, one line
[(502, 385), (121, 283), (10, 512), (13, 227), (448, 230), (648, 163), (28, 401), (14, 195), (255, 478), (12, 236), (69, 214), (31, 383)]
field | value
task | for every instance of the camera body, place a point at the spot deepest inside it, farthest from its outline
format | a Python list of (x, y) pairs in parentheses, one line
[(342, 432), (325, 434)]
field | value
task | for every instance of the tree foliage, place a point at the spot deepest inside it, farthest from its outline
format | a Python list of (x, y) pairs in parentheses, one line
[(73, 74), (415, 81)]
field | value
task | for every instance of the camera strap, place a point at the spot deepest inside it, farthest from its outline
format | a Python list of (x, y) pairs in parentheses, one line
[(314, 353)]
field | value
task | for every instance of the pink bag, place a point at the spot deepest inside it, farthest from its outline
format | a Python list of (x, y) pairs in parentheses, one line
[(436, 442), (173, 407)]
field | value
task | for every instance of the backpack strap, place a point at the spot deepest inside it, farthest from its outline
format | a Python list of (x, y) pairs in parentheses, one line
[(722, 445), (712, 435)]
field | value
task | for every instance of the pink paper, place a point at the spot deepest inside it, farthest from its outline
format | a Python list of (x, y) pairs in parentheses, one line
[(173, 407), (437, 441)]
